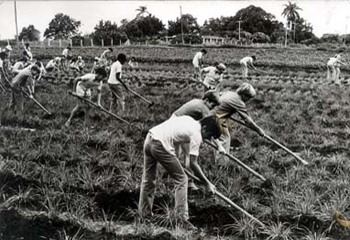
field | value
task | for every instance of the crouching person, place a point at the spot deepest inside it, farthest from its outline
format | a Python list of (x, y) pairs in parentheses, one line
[(82, 87), (159, 147), (24, 80)]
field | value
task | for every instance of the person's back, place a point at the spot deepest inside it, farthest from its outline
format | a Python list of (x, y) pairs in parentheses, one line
[(183, 129), (230, 102), (195, 108), (246, 60), (22, 76)]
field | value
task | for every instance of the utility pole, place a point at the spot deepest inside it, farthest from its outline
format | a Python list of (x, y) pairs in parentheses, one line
[(182, 27), (239, 31), (15, 4)]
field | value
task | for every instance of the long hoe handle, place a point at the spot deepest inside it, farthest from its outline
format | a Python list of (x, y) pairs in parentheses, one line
[(227, 200), (275, 142), (100, 108), (143, 98), (239, 162), (37, 102)]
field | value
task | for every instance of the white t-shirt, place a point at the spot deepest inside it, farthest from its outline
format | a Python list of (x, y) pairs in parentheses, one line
[(51, 64), (115, 68), (177, 130), (17, 66), (246, 60), (212, 77), (65, 52), (196, 59)]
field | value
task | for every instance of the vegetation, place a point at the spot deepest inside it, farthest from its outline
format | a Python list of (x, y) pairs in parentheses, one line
[(83, 182)]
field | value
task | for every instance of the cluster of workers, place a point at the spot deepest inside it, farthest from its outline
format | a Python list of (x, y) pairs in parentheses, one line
[(208, 118)]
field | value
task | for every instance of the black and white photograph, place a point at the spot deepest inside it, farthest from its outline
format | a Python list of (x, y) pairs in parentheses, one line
[(175, 120)]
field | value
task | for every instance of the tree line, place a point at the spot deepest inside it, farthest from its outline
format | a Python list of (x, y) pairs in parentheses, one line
[(249, 25)]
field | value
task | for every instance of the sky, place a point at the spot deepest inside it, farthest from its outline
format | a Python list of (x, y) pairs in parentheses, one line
[(325, 16)]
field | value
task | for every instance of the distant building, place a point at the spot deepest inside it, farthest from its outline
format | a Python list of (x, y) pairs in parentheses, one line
[(213, 40)]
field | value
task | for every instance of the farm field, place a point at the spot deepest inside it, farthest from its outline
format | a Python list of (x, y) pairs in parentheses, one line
[(82, 182)]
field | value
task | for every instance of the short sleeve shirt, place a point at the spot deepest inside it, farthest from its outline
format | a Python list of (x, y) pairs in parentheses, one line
[(22, 77), (246, 60), (179, 130), (89, 81), (195, 108), (196, 59), (230, 103), (115, 68), (212, 77)]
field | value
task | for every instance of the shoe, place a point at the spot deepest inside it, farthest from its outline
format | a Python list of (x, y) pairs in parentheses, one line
[(186, 225)]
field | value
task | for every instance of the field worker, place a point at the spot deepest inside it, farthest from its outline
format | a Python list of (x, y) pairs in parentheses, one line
[(333, 68), (116, 85), (78, 64), (66, 55), (24, 79), (234, 102), (4, 56), (197, 109), (132, 63), (247, 62), (82, 87), (213, 76), (18, 66), (53, 65), (42, 69), (197, 62), (159, 147), (27, 51), (104, 57)]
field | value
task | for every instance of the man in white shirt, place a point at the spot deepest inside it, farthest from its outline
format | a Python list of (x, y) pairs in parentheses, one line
[(82, 87), (67, 57), (197, 62), (53, 65), (213, 76), (159, 147), (247, 62), (333, 68), (116, 84), (18, 66)]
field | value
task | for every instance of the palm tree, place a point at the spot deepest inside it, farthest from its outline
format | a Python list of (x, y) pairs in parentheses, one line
[(291, 13), (142, 10)]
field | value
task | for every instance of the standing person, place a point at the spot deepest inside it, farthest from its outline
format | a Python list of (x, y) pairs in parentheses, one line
[(27, 53), (66, 55), (24, 79), (333, 68), (213, 76), (234, 102), (5, 62), (197, 109), (197, 63), (116, 84), (82, 87), (247, 62), (159, 148)]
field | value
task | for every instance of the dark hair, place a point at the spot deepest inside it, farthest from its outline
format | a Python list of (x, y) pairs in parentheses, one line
[(254, 58), (121, 57), (211, 125), (35, 68), (101, 71), (27, 44), (110, 49), (69, 48), (211, 96), (204, 51)]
